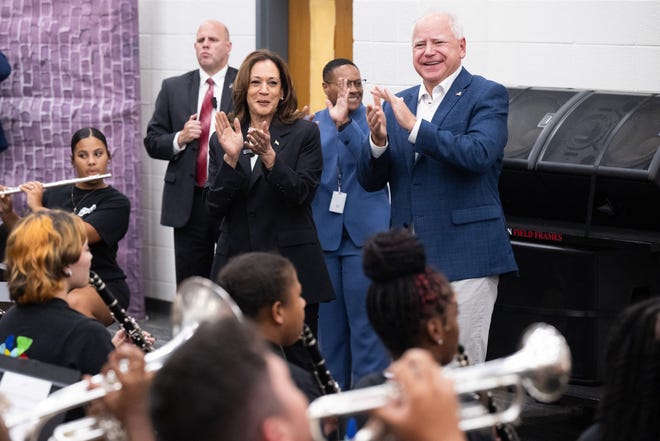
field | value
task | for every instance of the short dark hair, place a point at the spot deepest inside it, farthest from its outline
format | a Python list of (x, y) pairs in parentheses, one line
[(404, 292), (216, 386), (630, 408), (257, 280), (334, 64), (88, 132)]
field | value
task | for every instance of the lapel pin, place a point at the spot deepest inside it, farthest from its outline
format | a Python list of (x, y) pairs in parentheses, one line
[(277, 143), (459, 93)]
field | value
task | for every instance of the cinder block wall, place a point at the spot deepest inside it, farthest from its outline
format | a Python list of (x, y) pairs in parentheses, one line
[(612, 45)]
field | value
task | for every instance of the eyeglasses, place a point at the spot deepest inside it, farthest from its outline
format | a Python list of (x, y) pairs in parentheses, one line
[(358, 84)]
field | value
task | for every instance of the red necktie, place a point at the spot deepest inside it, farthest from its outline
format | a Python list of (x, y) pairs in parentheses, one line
[(205, 120)]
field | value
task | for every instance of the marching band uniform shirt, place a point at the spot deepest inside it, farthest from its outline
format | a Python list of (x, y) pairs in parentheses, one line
[(107, 210)]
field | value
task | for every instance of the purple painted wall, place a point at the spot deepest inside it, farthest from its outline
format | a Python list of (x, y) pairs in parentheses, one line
[(74, 64)]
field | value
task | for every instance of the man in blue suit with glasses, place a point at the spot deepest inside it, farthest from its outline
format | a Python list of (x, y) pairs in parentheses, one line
[(346, 216)]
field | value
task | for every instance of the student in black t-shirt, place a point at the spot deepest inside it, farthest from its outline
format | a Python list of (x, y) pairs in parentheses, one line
[(105, 212), (47, 256), (266, 288)]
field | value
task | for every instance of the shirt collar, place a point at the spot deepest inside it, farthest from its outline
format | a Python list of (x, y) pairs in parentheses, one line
[(441, 89), (218, 78)]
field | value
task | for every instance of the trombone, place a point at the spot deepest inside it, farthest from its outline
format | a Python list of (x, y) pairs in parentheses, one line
[(542, 367), (197, 300)]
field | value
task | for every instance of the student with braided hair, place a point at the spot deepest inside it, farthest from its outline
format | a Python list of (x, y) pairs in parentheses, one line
[(409, 304), (630, 407)]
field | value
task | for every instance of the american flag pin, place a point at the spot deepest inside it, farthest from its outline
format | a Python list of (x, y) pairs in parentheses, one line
[(459, 93)]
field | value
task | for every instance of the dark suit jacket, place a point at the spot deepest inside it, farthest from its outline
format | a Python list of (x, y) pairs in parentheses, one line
[(5, 70), (271, 210), (450, 193), (176, 101)]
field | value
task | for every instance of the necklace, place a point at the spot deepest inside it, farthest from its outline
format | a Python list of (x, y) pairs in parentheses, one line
[(81, 200)]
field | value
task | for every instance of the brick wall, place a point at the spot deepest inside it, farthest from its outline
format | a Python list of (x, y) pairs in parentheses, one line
[(74, 64)]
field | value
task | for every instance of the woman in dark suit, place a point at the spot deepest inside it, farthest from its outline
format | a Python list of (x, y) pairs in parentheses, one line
[(265, 165)]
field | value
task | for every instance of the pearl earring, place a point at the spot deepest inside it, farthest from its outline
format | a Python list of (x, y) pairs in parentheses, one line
[(68, 272), (439, 341)]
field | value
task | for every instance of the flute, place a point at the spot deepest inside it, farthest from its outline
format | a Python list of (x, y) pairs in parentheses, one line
[(14, 190)]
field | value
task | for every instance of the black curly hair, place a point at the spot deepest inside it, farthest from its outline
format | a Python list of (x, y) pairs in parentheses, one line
[(630, 407), (404, 292)]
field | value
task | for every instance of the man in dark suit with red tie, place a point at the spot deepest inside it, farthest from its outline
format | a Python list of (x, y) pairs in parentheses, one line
[(178, 132)]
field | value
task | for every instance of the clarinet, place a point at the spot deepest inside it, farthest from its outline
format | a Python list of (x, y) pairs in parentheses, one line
[(126, 322), (323, 376)]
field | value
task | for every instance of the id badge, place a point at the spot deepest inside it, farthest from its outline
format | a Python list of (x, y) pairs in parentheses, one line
[(337, 202)]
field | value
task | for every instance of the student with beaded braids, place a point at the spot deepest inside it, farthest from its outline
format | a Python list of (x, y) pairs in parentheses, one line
[(630, 407), (410, 305)]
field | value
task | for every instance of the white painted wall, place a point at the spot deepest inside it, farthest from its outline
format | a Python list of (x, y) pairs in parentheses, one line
[(611, 45)]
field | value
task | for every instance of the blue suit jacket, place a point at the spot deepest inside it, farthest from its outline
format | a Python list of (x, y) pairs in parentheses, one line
[(364, 213), (450, 193)]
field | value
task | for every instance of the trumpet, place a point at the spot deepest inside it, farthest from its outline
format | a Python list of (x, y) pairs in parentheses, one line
[(14, 190), (197, 300), (542, 367)]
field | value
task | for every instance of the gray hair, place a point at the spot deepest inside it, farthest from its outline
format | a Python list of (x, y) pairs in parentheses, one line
[(456, 27)]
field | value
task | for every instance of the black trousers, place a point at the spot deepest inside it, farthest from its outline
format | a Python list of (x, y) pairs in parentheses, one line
[(194, 243)]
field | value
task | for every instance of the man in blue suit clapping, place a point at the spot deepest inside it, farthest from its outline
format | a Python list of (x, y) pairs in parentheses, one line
[(346, 216), (440, 146)]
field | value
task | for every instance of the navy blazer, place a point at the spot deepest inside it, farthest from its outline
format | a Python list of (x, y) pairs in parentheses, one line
[(271, 210), (450, 194), (364, 213), (5, 70), (176, 101)]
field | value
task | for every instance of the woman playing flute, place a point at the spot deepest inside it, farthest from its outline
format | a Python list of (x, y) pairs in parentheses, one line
[(105, 212)]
